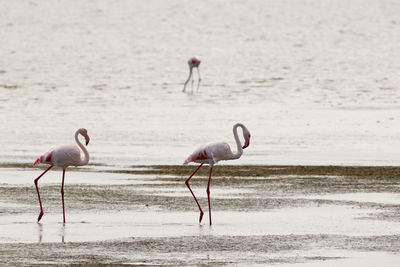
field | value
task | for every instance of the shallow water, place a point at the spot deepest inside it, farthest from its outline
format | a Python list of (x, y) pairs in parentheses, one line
[(90, 227), (153, 220), (315, 81)]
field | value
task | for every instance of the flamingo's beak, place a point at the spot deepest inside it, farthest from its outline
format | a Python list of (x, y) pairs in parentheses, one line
[(246, 143), (87, 139)]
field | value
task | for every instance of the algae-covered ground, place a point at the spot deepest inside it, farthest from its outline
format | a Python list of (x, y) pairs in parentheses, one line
[(145, 215)]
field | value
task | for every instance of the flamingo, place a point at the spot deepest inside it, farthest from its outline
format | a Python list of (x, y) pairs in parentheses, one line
[(63, 156), (193, 62), (212, 153)]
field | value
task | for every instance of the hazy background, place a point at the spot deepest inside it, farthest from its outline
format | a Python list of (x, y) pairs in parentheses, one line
[(316, 82)]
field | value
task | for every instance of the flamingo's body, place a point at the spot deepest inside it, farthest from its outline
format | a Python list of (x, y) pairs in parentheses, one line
[(63, 156), (212, 153), (193, 62)]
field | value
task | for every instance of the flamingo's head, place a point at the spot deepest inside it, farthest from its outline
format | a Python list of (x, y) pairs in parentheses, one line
[(246, 135), (84, 133)]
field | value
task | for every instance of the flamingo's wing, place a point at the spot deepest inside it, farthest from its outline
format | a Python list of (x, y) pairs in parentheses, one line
[(219, 151), (45, 158), (210, 153), (66, 155), (199, 155)]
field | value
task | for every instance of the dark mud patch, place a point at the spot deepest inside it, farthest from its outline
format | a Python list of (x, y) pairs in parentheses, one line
[(239, 193), (389, 172), (265, 171), (194, 250)]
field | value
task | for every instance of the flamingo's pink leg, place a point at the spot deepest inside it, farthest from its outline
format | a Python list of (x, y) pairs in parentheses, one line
[(192, 83), (188, 79), (62, 194), (208, 194), (198, 84), (37, 190), (187, 184)]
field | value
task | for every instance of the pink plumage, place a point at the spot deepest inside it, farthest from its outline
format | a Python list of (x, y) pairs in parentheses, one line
[(45, 158), (198, 155), (212, 153), (63, 156), (193, 62)]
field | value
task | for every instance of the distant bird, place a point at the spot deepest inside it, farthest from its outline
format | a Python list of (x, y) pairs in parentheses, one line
[(212, 153), (194, 62), (63, 156)]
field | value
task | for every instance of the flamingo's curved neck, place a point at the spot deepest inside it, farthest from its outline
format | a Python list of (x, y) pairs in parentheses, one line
[(85, 160), (239, 151)]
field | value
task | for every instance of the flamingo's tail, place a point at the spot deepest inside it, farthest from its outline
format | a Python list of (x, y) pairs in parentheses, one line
[(46, 158), (40, 159), (187, 160), (37, 161)]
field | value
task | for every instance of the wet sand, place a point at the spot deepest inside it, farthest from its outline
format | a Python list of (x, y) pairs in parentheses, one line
[(144, 215)]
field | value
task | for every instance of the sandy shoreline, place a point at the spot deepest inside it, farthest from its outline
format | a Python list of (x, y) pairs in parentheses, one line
[(144, 215)]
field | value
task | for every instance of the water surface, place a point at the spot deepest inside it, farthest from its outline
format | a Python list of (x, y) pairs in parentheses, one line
[(152, 219), (316, 82)]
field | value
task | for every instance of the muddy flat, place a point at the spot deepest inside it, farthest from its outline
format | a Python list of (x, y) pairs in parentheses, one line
[(145, 215)]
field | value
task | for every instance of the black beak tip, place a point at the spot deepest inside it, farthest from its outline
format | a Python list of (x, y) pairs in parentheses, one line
[(87, 142)]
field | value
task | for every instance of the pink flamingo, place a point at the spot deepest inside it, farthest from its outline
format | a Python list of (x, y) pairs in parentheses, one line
[(63, 156), (211, 154), (193, 62)]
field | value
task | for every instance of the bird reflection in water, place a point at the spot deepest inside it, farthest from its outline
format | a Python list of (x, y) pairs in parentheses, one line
[(61, 233)]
